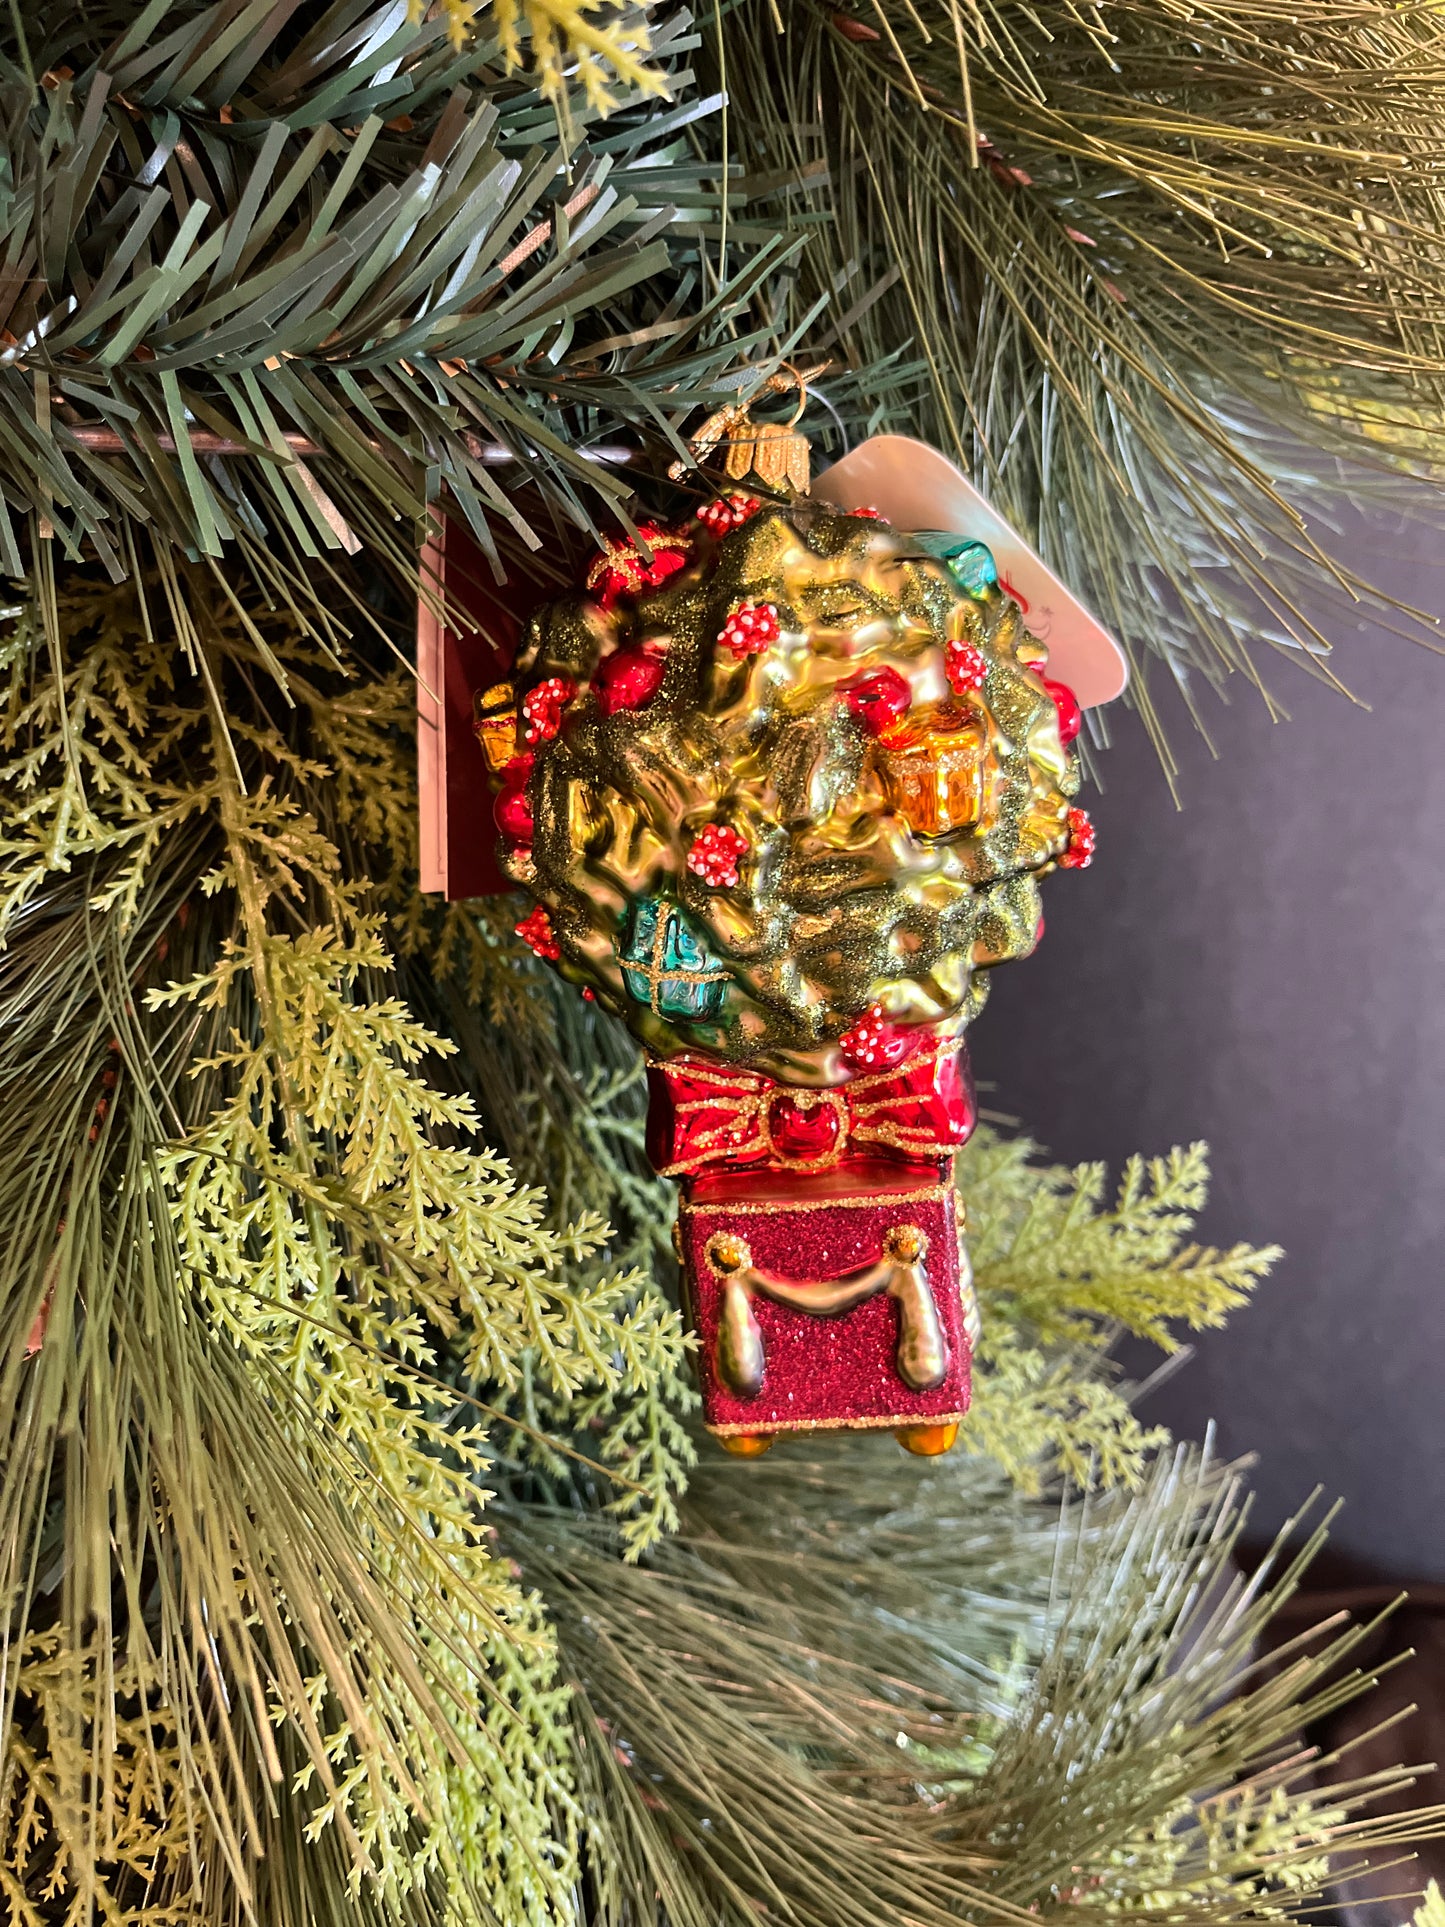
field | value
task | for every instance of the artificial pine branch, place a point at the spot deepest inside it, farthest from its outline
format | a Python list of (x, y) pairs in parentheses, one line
[(1159, 276), (269, 1275), (233, 228), (852, 1690)]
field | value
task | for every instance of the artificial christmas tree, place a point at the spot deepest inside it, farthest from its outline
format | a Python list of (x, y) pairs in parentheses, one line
[(349, 1566)]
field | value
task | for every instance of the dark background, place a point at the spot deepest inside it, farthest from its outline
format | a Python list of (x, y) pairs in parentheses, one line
[(1262, 969)]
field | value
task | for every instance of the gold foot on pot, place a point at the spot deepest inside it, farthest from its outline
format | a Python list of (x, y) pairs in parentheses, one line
[(927, 1440), (749, 1445)]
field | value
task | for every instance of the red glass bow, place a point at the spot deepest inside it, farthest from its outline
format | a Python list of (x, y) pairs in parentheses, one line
[(707, 1117)]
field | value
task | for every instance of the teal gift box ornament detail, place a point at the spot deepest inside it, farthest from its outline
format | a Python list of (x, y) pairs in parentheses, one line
[(667, 966), (971, 564)]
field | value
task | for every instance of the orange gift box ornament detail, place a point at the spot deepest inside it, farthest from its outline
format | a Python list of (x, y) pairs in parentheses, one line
[(783, 782)]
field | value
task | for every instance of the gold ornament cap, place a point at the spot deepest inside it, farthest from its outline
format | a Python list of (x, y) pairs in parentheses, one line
[(775, 455)]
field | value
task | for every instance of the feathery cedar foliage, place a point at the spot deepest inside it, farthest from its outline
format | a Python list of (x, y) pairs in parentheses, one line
[(565, 47), (1058, 1277), (253, 1235)]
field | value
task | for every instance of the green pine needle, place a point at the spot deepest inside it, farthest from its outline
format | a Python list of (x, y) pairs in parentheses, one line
[(857, 1689), (306, 282), (1165, 282)]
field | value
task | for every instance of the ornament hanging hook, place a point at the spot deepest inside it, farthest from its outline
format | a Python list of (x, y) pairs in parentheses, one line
[(772, 451), (802, 379)]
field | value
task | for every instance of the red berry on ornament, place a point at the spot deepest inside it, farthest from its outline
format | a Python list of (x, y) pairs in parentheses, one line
[(967, 667), (542, 708), (868, 514), (628, 679), (621, 569), (535, 930), (1082, 838), (729, 512), (1071, 717), (878, 698), (750, 628), (876, 1043), (716, 852)]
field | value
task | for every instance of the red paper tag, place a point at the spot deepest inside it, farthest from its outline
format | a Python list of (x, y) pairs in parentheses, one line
[(458, 840)]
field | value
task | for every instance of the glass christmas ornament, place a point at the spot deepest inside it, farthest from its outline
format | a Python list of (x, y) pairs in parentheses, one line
[(792, 794)]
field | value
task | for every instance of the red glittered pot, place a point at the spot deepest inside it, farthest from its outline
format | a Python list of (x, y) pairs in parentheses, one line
[(820, 1240), (836, 1301)]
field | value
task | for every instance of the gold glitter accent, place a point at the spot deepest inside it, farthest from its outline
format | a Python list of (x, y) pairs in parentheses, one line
[(719, 1207), (921, 1358), (773, 453), (770, 454), (899, 1420)]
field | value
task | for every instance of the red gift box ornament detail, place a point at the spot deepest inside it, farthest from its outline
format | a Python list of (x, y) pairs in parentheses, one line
[(810, 778), (622, 569), (707, 1117), (922, 1356)]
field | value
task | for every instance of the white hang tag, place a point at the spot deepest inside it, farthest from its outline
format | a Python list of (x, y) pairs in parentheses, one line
[(914, 487)]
